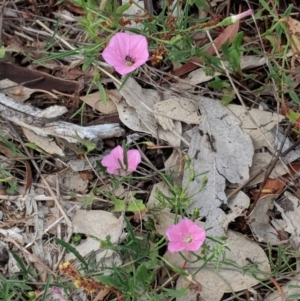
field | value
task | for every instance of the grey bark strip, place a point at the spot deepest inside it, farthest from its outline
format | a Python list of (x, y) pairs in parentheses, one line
[(30, 117)]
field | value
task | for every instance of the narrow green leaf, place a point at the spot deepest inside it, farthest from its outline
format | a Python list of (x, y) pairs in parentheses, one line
[(121, 9), (72, 250), (2, 52), (176, 293), (20, 263), (294, 96), (46, 289)]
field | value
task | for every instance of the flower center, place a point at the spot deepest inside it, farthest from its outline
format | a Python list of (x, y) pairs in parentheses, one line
[(129, 60), (188, 239)]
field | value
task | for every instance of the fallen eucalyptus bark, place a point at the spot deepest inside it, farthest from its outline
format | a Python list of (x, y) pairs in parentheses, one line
[(45, 123)]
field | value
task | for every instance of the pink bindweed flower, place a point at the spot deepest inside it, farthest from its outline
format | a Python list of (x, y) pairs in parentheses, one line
[(114, 162), (242, 15), (57, 294), (186, 235), (126, 52), (235, 18)]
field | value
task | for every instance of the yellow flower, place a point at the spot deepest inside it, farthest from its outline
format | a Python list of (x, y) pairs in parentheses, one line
[(77, 283), (64, 265)]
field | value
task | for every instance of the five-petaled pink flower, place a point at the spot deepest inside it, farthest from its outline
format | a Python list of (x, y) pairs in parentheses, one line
[(126, 52), (186, 235), (115, 161)]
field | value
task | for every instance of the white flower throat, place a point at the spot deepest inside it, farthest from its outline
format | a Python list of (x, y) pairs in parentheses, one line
[(188, 239)]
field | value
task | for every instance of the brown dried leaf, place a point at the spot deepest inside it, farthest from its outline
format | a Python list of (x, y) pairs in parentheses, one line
[(294, 27), (176, 108), (94, 100), (46, 143), (15, 91)]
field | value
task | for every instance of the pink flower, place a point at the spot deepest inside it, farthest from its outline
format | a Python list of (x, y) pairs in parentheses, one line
[(242, 15), (186, 235), (126, 52), (114, 162), (57, 294)]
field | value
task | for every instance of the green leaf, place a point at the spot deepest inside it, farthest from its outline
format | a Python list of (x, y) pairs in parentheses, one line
[(143, 275), (218, 84), (288, 11), (20, 262), (293, 116), (90, 146), (294, 96), (87, 63), (235, 52), (46, 288), (102, 93), (228, 95), (72, 250), (11, 285), (175, 268), (35, 147), (119, 204), (2, 52), (268, 8), (176, 293), (201, 4), (272, 40), (136, 206), (121, 9), (111, 281)]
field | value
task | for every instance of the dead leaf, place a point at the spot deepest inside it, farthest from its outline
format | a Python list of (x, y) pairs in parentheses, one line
[(259, 220), (83, 164), (175, 162), (45, 143), (99, 224), (228, 278), (13, 233), (294, 28), (265, 121), (15, 91), (260, 160), (176, 108), (289, 208), (271, 186), (237, 205), (220, 148), (69, 180), (136, 113), (153, 202), (196, 290), (275, 186), (94, 100), (227, 36)]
